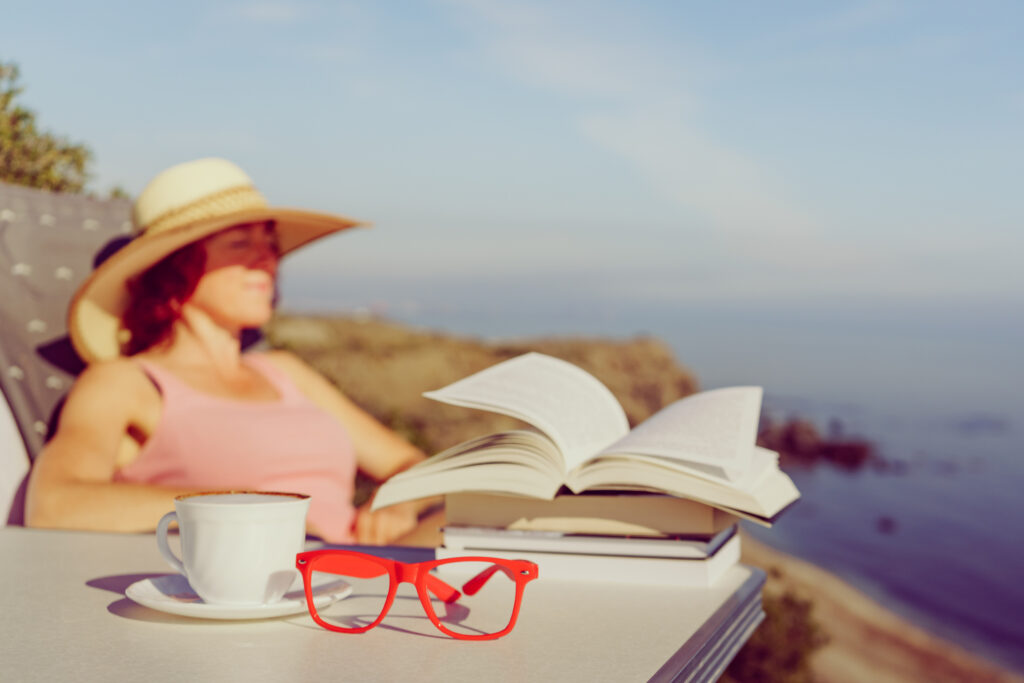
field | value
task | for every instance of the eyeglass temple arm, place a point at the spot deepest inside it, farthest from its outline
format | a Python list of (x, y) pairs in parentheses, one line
[(478, 581), (442, 590), (449, 594)]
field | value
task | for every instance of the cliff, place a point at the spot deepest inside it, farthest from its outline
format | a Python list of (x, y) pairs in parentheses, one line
[(385, 367)]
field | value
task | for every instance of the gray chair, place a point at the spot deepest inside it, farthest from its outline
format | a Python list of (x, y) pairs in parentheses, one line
[(13, 462), (48, 244)]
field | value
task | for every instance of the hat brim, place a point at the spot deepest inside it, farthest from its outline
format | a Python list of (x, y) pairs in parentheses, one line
[(94, 315)]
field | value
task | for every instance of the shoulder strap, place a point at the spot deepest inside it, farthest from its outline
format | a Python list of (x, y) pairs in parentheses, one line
[(161, 379)]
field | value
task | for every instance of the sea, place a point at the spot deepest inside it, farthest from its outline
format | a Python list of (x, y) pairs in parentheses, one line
[(933, 528)]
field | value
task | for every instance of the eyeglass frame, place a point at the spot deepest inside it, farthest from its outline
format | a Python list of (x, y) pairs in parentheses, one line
[(420, 576)]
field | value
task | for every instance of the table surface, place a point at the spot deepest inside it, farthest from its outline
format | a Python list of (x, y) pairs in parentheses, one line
[(65, 617)]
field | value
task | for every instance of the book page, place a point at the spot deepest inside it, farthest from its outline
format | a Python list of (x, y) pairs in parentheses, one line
[(565, 402), (519, 446), (771, 493), (715, 431), (497, 477), (762, 463)]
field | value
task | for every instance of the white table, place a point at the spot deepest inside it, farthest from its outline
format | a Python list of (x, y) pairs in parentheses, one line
[(65, 617)]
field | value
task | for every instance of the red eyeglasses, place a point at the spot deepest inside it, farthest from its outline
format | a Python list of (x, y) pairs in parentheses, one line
[(486, 608)]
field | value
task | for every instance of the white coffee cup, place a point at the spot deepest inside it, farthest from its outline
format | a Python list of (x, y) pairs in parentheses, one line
[(237, 548)]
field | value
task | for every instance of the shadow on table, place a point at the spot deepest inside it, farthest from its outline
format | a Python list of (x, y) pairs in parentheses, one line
[(129, 609), (407, 610), (126, 608)]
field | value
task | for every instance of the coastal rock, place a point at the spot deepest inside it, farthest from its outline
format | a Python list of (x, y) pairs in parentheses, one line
[(799, 444)]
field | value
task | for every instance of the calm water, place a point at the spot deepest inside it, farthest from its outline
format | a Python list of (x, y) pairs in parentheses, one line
[(937, 534)]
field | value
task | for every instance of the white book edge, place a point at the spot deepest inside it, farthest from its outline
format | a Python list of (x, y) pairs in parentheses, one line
[(483, 539), (667, 571)]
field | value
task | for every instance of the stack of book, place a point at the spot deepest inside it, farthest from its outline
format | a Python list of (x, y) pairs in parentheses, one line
[(612, 537), (586, 497)]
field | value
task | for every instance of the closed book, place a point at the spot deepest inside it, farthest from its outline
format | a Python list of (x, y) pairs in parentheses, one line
[(481, 540), (605, 513), (669, 571)]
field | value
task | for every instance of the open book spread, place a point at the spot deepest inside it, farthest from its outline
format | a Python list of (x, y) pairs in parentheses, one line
[(700, 447)]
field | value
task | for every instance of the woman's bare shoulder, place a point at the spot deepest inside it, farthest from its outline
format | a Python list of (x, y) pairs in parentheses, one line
[(108, 395), (118, 368), (117, 377)]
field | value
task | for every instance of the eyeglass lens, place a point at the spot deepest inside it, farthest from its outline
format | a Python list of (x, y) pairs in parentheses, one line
[(365, 603)]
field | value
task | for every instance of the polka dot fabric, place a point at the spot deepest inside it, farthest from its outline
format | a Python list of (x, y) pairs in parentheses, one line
[(47, 245)]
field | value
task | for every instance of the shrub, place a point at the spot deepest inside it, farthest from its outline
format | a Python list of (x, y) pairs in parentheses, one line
[(780, 649)]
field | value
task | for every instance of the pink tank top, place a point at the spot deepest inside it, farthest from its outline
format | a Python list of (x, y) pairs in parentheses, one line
[(215, 443)]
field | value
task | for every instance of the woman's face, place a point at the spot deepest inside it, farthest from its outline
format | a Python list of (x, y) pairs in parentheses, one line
[(237, 286)]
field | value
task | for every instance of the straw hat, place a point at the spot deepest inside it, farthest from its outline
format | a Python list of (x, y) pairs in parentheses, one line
[(183, 204)]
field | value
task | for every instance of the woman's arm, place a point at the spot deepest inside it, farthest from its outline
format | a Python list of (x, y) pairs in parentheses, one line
[(380, 452), (71, 485)]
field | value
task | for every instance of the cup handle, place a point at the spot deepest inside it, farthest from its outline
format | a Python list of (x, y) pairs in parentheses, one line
[(161, 542)]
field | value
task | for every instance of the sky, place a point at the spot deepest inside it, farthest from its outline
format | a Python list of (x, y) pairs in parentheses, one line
[(860, 157)]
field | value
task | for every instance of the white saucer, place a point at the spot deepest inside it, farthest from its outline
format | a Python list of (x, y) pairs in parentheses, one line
[(172, 594)]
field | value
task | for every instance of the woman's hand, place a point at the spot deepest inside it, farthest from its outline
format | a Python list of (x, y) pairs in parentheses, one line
[(387, 524)]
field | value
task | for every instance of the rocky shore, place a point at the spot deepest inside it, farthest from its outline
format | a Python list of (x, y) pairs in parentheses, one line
[(385, 367), (866, 641)]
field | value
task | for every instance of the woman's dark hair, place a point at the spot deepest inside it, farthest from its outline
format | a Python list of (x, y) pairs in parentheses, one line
[(156, 296)]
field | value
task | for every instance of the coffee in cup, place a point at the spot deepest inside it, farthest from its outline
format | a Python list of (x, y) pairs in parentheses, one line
[(237, 547)]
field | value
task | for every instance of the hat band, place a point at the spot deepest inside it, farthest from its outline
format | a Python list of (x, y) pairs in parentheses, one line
[(231, 200)]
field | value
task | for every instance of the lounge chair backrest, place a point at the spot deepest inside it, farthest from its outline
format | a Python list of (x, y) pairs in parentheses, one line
[(47, 245)]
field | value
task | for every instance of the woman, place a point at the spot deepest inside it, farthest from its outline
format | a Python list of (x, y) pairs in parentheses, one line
[(169, 402)]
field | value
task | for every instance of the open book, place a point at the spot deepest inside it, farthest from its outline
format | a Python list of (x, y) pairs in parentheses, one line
[(700, 447)]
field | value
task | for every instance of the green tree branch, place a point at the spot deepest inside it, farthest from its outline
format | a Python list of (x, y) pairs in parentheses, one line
[(30, 156)]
